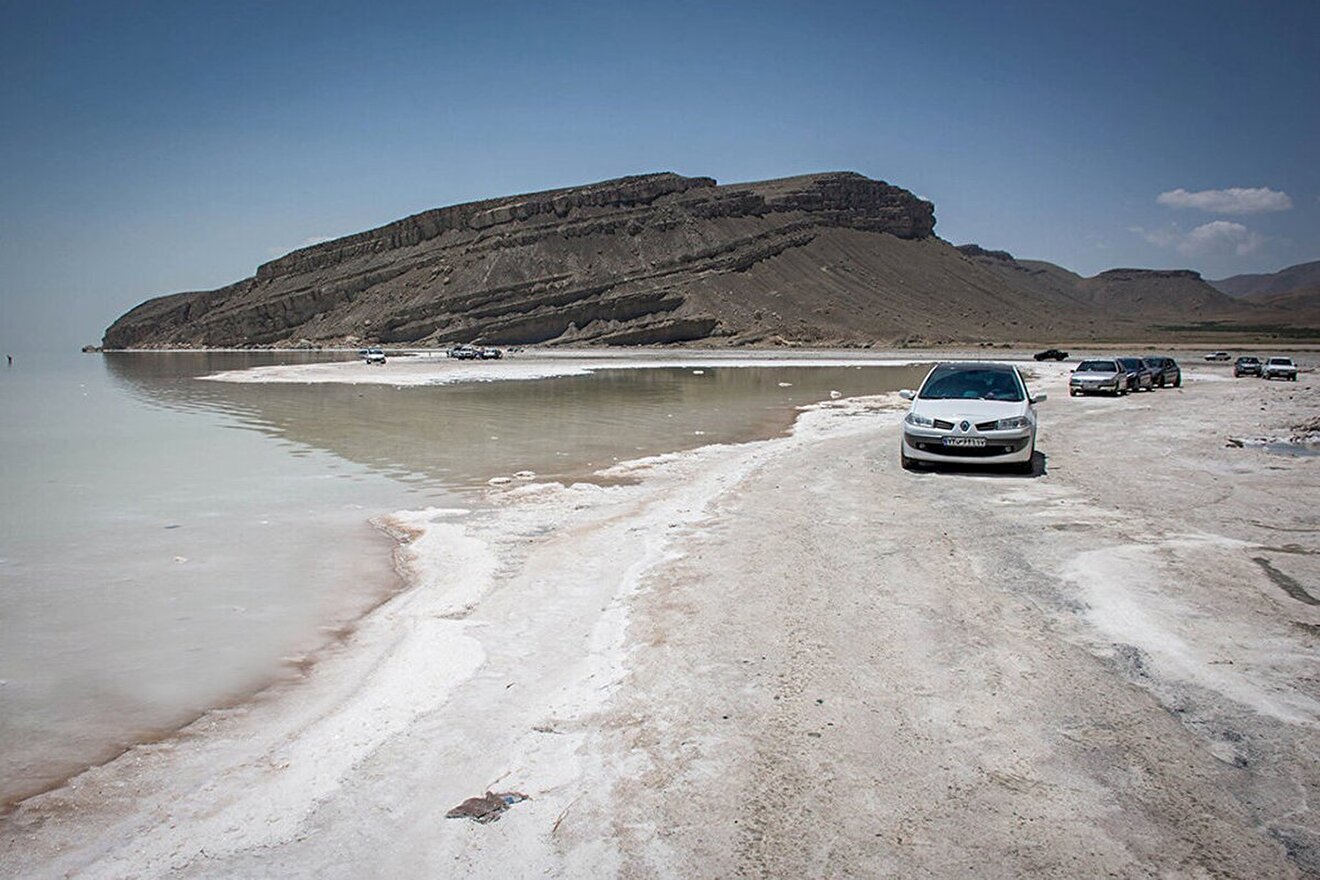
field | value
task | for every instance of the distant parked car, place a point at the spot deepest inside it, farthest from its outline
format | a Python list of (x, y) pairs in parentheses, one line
[(1051, 354), (464, 352), (372, 356), (973, 413), (1280, 368), (490, 354), (1218, 356), (1246, 366), (1099, 376), (1139, 376), (1165, 371)]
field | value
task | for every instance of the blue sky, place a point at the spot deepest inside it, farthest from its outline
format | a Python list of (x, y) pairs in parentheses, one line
[(153, 147)]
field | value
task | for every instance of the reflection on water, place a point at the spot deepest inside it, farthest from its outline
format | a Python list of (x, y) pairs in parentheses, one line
[(464, 434)]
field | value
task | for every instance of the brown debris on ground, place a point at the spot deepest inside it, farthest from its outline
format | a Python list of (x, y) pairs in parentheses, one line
[(487, 808)]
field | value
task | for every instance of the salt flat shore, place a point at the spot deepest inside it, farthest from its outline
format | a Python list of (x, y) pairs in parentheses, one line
[(792, 658)]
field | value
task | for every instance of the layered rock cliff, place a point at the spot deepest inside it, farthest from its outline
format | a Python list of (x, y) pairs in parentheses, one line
[(623, 261)]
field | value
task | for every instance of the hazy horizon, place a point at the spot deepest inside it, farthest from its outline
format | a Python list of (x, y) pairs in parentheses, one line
[(164, 149)]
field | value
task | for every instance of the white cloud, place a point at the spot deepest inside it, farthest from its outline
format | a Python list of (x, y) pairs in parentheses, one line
[(1234, 200), (1218, 237), (1221, 236)]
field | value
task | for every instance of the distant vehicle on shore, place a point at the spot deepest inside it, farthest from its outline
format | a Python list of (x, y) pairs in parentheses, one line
[(1051, 354), (1246, 366), (1218, 356), (466, 352), (1165, 371), (1098, 376), (372, 356), (1280, 368)]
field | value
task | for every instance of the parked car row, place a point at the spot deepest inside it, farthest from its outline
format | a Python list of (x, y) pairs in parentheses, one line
[(1274, 368), (465, 352), (982, 413), (1122, 375)]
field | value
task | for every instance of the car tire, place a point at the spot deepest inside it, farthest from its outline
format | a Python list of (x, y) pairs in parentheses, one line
[(906, 463)]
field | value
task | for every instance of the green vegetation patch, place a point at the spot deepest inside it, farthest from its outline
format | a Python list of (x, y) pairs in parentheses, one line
[(1287, 331)]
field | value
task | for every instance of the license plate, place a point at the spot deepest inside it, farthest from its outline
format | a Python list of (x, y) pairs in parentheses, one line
[(964, 441)]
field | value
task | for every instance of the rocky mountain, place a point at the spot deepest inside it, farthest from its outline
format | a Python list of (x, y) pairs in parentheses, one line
[(1303, 276), (1136, 295), (826, 259)]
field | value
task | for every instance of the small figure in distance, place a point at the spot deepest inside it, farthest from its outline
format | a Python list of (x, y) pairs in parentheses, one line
[(11, 359)]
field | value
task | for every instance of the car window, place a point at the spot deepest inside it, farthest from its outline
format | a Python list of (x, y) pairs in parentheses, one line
[(956, 383), (1097, 367)]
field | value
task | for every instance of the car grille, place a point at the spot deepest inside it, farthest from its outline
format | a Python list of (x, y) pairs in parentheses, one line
[(986, 426), (947, 426), (995, 448)]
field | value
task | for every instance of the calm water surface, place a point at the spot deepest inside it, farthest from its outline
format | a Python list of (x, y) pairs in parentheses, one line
[(169, 544)]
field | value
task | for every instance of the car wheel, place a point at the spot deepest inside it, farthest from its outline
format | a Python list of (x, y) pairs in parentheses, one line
[(1027, 467), (908, 464)]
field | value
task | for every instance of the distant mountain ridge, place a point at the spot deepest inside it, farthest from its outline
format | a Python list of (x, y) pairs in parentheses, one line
[(1303, 276), (826, 259), (1293, 292)]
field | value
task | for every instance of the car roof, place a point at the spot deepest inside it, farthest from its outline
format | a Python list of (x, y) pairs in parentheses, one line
[(977, 365)]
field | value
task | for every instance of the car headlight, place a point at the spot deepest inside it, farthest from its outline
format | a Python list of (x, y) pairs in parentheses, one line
[(919, 420), (1009, 424)]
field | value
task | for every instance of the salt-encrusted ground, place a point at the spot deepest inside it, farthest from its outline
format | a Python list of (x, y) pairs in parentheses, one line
[(792, 658)]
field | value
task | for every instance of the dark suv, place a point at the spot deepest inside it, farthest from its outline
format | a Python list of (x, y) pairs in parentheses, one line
[(1246, 366), (1165, 371)]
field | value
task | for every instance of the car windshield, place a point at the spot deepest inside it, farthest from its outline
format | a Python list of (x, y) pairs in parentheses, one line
[(1131, 363), (1097, 367), (1248, 361), (1281, 362), (1153, 362), (971, 383)]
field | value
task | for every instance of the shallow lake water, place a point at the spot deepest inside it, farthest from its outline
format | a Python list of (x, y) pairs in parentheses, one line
[(169, 544)]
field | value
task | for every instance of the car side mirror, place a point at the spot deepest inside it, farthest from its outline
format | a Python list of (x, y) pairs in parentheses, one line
[(907, 394), (1040, 398)]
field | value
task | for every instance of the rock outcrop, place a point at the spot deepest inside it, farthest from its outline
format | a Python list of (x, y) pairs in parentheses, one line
[(624, 261)]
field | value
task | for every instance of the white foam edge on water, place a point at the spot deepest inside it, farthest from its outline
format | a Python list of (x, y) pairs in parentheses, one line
[(432, 548), (256, 786), (441, 372)]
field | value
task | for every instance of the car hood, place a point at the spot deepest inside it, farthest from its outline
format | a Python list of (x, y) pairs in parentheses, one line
[(974, 410)]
